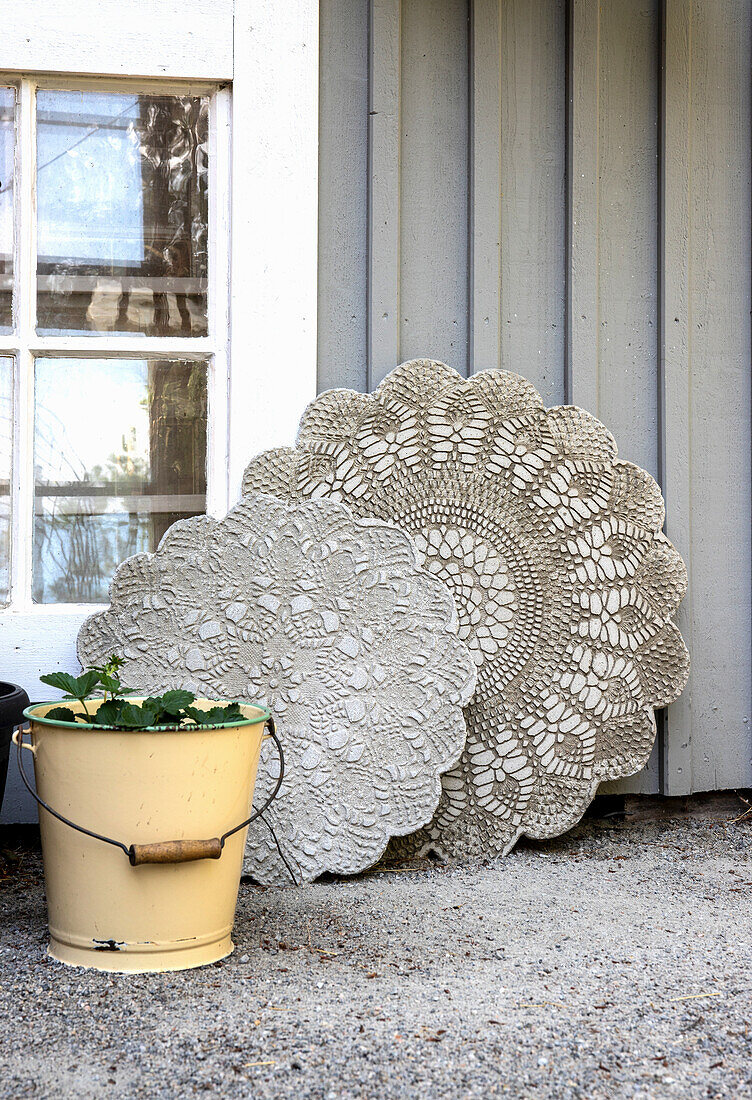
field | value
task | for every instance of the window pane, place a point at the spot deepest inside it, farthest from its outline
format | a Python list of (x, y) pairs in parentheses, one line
[(7, 128), (6, 438), (120, 454), (123, 215)]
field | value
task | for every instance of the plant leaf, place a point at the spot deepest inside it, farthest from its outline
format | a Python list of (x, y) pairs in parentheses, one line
[(63, 714), (152, 705), (151, 712), (110, 683), (75, 687), (108, 714), (63, 681), (131, 716), (86, 683), (173, 702), (215, 716)]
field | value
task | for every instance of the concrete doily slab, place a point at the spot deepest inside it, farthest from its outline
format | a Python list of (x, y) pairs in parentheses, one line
[(329, 621), (565, 585)]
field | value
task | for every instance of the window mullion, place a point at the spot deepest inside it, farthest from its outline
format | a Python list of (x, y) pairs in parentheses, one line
[(102, 344), (25, 305)]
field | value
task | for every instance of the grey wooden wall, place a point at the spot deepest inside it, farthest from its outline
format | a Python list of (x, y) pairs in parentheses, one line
[(564, 189)]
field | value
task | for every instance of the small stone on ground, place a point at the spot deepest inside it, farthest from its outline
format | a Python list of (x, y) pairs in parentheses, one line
[(613, 962)]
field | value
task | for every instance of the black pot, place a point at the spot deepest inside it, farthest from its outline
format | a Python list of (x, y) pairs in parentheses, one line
[(13, 701)]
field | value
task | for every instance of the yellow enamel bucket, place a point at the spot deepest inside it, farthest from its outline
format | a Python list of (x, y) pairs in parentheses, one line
[(156, 888)]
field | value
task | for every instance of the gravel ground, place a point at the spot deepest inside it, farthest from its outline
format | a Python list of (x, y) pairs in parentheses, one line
[(613, 962)]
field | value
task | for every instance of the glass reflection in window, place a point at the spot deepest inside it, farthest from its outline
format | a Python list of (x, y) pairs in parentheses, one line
[(120, 454), (122, 186), (7, 149)]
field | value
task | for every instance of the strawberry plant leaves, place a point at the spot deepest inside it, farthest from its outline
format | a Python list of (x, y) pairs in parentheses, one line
[(175, 701), (170, 709), (108, 714), (63, 681), (217, 715), (76, 687), (113, 685), (62, 714), (133, 717)]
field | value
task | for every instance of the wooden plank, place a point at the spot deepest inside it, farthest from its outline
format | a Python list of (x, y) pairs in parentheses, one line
[(343, 195), (583, 262), (628, 284), (274, 215), (613, 348), (189, 39), (434, 182), (706, 382), (532, 190), (675, 360), (384, 189), (485, 184)]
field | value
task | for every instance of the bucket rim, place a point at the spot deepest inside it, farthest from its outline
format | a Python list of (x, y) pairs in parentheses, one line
[(263, 716)]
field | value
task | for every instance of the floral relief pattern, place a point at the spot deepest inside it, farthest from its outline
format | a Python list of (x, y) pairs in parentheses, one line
[(329, 621), (565, 586)]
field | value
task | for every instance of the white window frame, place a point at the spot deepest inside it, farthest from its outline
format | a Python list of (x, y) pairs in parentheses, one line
[(25, 345)]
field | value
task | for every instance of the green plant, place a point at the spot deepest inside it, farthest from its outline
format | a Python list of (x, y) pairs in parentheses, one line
[(172, 709)]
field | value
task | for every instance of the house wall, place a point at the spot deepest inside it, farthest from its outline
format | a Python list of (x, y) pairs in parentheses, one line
[(563, 190)]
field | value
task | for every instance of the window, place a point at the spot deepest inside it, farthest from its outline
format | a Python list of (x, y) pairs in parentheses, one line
[(113, 326)]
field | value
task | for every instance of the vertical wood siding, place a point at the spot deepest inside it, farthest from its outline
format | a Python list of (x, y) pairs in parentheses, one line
[(343, 194), (706, 380), (434, 162), (531, 185), (563, 188)]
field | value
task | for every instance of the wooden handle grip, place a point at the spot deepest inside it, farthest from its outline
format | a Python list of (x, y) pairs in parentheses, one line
[(175, 851)]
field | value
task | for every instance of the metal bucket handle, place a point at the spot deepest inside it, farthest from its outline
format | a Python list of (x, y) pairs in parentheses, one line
[(166, 851)]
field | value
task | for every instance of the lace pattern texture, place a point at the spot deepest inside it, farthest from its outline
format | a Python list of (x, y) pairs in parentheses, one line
[(565, 585), (330, 622)]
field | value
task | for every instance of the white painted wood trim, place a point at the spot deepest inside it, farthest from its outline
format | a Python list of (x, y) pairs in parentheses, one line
[(218, 306), (384, 174), (275, 225), (22, 499), (97, 345), (83, 82), (169, 38)]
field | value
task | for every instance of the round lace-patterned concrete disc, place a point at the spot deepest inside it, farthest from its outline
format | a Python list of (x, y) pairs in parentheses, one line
[(328, 621), (565, 585)]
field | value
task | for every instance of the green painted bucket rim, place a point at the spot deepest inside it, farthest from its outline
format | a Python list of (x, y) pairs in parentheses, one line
[(264, 716)]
